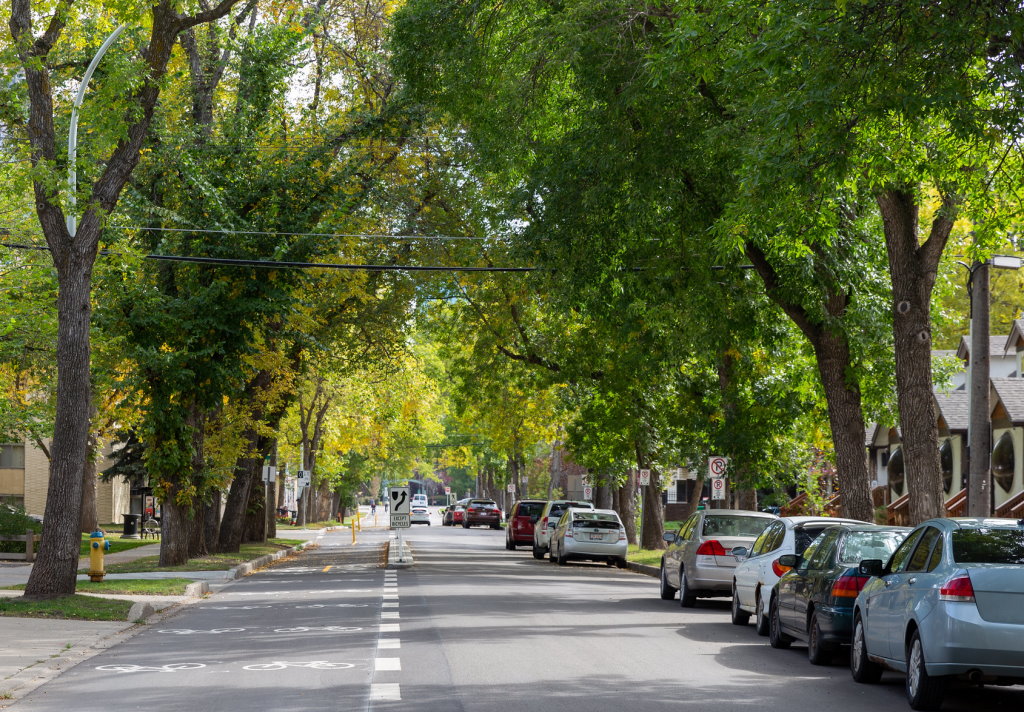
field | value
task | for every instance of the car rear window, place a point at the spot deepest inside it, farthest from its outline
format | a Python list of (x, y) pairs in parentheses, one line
[(599, 520), (483, 503), (988, 546), (734, 525), (803, 536), (858, 546), (530, 509)]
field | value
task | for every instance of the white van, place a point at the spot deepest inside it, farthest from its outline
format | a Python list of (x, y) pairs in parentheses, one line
[(420, 499)]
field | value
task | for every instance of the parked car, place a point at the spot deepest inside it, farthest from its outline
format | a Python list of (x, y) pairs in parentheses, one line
[(553, 510), (949, 603), (419, 514), (454, 514), (813, 601), (591, 534), (759, 569), (697, 562), (521, 518), (420, 499), (482, 511)]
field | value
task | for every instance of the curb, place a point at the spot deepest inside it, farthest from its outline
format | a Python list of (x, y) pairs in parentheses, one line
[(248, 567), (644, 569)]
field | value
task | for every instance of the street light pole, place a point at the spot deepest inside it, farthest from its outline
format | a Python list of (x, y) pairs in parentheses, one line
[(979, 431), (72, 219)]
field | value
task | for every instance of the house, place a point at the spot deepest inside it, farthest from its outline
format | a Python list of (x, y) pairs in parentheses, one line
[(25, 478)]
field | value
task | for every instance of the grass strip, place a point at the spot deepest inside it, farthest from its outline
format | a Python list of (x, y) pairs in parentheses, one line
[(650, 557), (145, 587), (116, 545), (210, 562), (76, 607)]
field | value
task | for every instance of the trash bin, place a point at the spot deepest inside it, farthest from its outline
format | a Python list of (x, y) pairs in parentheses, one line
[(131, 526)]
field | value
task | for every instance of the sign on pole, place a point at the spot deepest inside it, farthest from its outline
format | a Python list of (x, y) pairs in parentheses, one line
[(511, 487), (645, 478), (401, 506), (304, 478), (718, 488), (588, 493), (717, 465), (269, 474)]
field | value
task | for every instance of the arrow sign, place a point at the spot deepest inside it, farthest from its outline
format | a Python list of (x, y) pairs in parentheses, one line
[(400, 500)]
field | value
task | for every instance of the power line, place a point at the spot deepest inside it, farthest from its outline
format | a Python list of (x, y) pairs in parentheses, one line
[(277, 264), (369, 236)]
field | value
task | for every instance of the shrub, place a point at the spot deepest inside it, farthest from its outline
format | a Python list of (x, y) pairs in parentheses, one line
[(14, 522)]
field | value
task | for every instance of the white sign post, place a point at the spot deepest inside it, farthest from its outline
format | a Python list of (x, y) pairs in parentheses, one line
[(717, 467), (645, 478), (588, 493), (401, 507), (718, 488)]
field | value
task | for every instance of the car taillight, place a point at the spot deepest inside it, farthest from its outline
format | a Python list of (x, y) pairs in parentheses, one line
[(848, 586), (569, 534), (778, 569), (959, 588), (712, 547), (544, 523), (622, 534)]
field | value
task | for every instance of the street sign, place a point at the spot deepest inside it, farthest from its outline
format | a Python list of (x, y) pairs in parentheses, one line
[(511, 487), (269, 474), (304, 478), (717, 465), (588, 492), (399, 521), (401, 500), (718, 488), (447, 490), (645, 478)]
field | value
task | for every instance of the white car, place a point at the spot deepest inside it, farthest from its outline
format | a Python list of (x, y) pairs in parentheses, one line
[(419, 514), (593, 534), (547, 520), (419, 498), (759, 570)]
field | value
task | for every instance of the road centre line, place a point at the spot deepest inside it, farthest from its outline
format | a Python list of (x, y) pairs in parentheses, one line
[(389, 615), (389, 628), (387, 665), (389, 644), (389, 692)]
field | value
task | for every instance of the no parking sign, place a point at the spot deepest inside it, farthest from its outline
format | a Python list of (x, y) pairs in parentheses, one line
[(718, 488)]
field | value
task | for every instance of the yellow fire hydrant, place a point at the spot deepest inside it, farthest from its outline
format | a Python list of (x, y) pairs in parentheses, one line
[(97, 546)]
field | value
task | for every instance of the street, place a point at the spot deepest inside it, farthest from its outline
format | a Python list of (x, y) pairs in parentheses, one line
[(470, 627)]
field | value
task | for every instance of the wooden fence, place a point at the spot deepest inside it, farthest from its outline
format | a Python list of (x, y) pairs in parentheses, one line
[(30, 538)]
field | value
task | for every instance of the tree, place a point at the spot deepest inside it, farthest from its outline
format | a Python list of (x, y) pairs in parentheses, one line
[(74, 254)]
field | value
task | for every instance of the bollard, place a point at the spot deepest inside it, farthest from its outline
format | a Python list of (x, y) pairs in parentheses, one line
[(353, 525), (97, 546)]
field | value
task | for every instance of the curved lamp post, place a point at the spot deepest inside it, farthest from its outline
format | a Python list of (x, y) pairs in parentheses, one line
[(72, 219)]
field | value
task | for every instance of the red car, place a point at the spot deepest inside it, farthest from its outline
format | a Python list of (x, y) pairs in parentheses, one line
[(521, 517), (454, 515)]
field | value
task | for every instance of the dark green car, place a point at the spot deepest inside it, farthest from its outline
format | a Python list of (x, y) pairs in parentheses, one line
[(813, 602)]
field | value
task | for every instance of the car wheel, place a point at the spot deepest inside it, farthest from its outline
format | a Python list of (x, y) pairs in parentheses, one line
[(687, 598), (622, 563), (561, 559), (817, 652), (739, 616), (538, 553), (509, 544), (861, 667), (760, 619), (465, 525), (668, 592), (924, 691), (776, 638)]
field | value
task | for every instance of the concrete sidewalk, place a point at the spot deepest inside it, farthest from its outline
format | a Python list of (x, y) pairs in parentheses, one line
[(34, 650)]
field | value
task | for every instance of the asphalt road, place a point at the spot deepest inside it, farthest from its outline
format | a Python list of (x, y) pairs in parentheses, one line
[(471, 627)]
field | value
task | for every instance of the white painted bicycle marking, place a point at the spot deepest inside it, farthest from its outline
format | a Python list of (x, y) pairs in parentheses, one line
[(235, 608), (306, 629), (212, 631), (334, 605), (313, 665), (173, 667)]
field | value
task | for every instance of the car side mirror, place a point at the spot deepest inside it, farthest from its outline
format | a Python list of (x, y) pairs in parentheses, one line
[(790, 560), (739, 552), (669, 537), (871, 567)]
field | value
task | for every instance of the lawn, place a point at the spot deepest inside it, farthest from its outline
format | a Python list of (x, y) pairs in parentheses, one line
[(89, 608), (116, 544), (650, 557), (211, 562), (145, 587)]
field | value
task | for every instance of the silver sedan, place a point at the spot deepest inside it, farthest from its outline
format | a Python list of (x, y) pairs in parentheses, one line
[(949, 603)]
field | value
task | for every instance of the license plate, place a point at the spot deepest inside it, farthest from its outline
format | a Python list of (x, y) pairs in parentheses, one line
[(596, 537)]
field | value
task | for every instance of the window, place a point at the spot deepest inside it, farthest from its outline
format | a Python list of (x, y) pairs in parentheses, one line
[(919, 559), (819, 554), (1003, 462), (759, 543), (988, 546), (773, 537), (687, 529), (896, 474), (12, 457), (857, 546), (946, 460), (899, 558), (936, 558), (529, 509), (803, 536)]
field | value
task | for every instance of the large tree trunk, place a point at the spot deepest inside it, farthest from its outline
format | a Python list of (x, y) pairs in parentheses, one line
[(233, 522), (627, 507), (56, 568), (653, 514), (177, 530), (89, 520), (912, 269)]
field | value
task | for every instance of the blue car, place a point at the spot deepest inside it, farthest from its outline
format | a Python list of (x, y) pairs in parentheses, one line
[(948, 604), (813, 601)]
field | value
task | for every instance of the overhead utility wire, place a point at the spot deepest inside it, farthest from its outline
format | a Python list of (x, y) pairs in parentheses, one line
[(292, 265), (300, 234)]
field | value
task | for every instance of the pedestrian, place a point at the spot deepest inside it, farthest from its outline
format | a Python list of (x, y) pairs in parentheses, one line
[(373, 506)]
